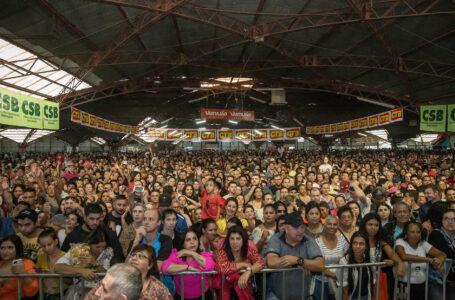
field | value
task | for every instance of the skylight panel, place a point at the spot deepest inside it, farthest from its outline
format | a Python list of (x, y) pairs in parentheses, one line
[(39, 134), (98, 140), (51, 80), (17, 135)]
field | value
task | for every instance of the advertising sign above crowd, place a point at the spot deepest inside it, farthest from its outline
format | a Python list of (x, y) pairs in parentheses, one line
[(224, 135), (385, 118), (18, 109), (227, 114), (89, 120)]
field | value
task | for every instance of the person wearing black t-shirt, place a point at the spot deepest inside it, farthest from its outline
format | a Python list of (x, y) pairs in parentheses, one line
[(92, 220), (114, 218)]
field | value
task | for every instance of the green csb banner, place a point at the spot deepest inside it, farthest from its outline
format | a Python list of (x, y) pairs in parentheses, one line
[(21, 110), (451, 117), (433, 118)]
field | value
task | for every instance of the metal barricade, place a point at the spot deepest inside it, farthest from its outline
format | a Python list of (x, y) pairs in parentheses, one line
[(40, 277), (340, 280), (204, 276), (399, 287)]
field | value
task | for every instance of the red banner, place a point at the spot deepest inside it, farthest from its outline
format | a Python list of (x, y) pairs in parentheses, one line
[(396, 115), (384, 118), (225, 134), (227, 114), (208, 135), (89, 120), (260, 134), (242, 134)]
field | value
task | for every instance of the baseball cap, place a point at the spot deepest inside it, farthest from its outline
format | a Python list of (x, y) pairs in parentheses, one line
[(27, 213), (294, 219), (396, 179)]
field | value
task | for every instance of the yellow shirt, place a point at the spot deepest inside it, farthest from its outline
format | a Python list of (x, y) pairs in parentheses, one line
[(222, 226), (50, 285)]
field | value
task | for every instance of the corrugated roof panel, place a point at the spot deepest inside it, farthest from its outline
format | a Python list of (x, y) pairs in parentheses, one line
[(26, 70)]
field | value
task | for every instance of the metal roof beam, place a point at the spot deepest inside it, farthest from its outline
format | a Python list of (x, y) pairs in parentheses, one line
[(158, 10), (333, 86), (366, 10), (384, 10), (255, 20), (125, 17), (71, 28)]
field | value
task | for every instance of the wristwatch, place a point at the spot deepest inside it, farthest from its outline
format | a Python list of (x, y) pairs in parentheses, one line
[(300, 262), (249, 269)]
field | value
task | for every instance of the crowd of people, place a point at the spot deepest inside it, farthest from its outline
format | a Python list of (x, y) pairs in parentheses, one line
[(143, 219)]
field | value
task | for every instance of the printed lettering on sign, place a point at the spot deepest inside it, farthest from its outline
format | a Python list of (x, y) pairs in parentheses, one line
[(396, 114), (433, 118), (384, 118), (373, 121), (276, 134), (18, 109), (293, 133)]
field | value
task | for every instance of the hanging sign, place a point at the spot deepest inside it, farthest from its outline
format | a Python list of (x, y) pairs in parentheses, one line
[(87, 119), (433, 118), (18, 109), (227, 114)]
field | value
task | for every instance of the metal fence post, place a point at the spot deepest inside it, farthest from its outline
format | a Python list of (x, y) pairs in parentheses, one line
[(303, 284), (378, 282), (222, 286), (19, 288), (408, 282), (202, 286), (40, 288), (322, 285), (359, 292), (264, 286), (182, 288), (427, 278), (60, 281)]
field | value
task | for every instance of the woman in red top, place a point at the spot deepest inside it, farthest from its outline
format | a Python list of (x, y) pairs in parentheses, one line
[(238, 254), (11, 249)]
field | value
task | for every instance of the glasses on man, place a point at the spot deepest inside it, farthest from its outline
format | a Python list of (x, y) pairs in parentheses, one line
[(447, 219), (281, 211)]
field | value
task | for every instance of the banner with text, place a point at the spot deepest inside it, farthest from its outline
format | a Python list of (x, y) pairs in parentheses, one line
[(451, 117), (89, 120), (388, 117), (227, 114), (433, 118), (224, 135), (18, 109)]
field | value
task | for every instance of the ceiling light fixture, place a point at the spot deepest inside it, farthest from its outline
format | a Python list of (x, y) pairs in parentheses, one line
[(201, 122), (257, 99), (298, 122), (375, 102), (361, 134), (233, 122)]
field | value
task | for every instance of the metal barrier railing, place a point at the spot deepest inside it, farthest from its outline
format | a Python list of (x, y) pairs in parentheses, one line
[(377, 269)]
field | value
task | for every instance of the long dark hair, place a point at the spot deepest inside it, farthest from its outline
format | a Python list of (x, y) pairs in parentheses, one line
[(351, 260), (181, 243), (227, 245), (17, 244), (153, 271), (380, 235)]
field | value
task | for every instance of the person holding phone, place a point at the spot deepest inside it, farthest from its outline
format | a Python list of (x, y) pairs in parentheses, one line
[(12, 261)]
